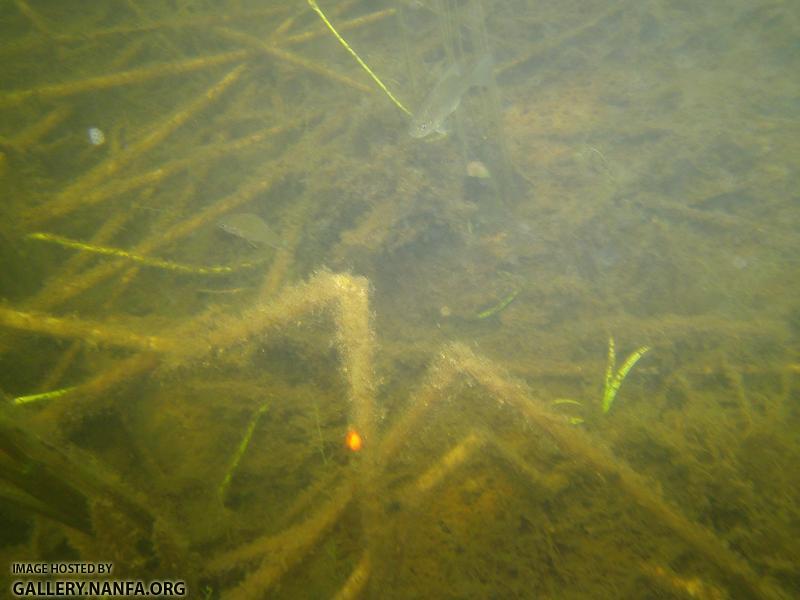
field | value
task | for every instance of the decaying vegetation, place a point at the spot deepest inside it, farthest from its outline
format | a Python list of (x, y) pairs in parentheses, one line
[(632, 173)]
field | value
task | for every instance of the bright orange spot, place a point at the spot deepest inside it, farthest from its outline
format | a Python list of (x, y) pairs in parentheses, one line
[(353, 441)]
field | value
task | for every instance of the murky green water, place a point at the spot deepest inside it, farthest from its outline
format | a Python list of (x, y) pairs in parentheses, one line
[(403, 399)]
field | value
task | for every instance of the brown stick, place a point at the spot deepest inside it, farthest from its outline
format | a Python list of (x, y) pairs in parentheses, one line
[(506, 389), (75, 195), (37, 21), (104, 82), (172, 24), (357, 581), (290, 58), (205, 154), (349, 25), (278, 553), (93, 332)]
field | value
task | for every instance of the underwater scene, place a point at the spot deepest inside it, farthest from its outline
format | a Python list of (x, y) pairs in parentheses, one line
[(428, 299)]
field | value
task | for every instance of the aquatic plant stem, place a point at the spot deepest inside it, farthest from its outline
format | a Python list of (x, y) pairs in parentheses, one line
[(313, 4), (614, 380), (74, 196), (93, 332), (240, 450), (103, 82), (138, 258)]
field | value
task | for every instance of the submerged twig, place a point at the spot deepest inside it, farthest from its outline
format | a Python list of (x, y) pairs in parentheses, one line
[(74, 196), (147, 261), (240, 450), (104, 82)]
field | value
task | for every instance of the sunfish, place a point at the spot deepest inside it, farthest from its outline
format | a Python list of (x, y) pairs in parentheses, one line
[(250, 228), (446, 96)]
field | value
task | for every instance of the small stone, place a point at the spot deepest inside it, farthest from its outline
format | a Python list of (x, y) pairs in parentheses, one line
[(96, 136), (477, 169)]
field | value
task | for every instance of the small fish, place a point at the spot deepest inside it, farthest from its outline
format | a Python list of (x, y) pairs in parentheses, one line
[(250, 228), (446, 96)]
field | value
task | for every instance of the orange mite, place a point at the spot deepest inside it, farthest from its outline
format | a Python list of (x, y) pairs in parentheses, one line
[(353, 440)]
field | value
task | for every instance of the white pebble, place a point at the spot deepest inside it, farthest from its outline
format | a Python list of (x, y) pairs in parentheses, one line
[(96, 136)]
